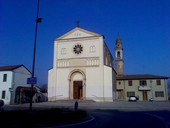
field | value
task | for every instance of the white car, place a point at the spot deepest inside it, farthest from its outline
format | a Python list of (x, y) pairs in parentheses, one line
[(133, 98)]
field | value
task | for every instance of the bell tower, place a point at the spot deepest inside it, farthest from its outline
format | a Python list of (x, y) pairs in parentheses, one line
[(119, 57)]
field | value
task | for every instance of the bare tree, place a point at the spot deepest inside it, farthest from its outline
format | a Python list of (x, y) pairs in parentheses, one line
[(44, 88)]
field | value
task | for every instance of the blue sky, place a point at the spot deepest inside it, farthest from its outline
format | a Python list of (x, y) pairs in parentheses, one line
[(143, 26)]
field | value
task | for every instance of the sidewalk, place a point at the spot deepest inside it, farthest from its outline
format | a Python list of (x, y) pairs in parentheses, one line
[(139, 106)]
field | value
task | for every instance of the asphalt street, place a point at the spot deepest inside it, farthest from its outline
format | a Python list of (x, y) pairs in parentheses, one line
[(121, 119), (114, 114)]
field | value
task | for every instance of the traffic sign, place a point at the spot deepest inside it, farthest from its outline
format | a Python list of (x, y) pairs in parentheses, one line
[(32, 80)]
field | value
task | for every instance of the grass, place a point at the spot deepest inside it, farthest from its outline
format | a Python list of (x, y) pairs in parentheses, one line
[(41, 118)]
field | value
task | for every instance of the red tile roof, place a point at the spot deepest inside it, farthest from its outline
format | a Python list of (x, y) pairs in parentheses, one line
[(140, 76), (11, 67)]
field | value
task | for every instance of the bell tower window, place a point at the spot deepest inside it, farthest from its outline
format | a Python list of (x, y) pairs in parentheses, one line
[(118, 54)]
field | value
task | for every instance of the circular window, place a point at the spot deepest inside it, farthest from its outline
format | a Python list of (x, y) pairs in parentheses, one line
[(78, 49)]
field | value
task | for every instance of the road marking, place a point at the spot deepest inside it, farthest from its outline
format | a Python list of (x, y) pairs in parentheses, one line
[(160, 118), (69, 125)]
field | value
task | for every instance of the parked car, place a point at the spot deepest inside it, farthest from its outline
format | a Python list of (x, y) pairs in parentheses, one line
[(133, 98), (151, 99)]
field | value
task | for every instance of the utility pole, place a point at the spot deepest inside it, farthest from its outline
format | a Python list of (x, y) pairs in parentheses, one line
[(38, 20)]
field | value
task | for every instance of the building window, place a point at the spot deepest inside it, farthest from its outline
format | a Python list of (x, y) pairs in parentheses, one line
[(92, 49), (130, 94), (5, 78), (142, 82), (158, 82), (119, 83), (3, 94), (159, 94), (130, 82), (106, 59), (63, 51), (78, 49), (118, 54)]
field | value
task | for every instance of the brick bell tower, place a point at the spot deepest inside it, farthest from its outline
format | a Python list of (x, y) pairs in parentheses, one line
[(119, 57)]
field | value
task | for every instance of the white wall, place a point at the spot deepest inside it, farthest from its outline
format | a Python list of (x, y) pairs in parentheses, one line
[(51, 84), (58, 84), (62, 82), (108, 85), (69, 49), (20, 76), (4, 86), (94, 83)]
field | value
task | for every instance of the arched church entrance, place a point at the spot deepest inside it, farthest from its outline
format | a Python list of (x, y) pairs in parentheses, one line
[(77, 85), (77, 89)]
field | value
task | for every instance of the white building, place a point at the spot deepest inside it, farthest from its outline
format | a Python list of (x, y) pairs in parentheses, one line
[(82, 68), (12, 81)]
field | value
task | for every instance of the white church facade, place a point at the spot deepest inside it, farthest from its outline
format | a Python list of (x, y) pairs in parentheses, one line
[(83, 68)]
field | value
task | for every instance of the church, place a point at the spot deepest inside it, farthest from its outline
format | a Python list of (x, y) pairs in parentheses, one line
[(83, 68)]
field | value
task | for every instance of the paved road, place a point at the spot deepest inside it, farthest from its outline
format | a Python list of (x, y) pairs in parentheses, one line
[(121, 119), (115, 114)]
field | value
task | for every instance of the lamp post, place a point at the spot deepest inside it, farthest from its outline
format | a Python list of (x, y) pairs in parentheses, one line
[(38, 20)]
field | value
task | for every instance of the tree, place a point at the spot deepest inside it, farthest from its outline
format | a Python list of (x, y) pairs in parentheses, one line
[(44, 88)]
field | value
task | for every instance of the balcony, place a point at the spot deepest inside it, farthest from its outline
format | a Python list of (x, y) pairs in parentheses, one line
[(144, 88)]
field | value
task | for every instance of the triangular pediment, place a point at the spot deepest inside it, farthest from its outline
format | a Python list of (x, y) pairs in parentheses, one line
[(78, 33)]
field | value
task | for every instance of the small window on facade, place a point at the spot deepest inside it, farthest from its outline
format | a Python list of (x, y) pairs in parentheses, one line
[(159, 94), (130, 94), (106, 61), (118, 54), (3, 94), (5, 78), (142, 82), (92, 49), (119, 82), (63, 51), (158, 82), (130, 82)]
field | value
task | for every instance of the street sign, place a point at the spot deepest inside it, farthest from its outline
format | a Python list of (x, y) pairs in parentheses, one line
[(32, 80)]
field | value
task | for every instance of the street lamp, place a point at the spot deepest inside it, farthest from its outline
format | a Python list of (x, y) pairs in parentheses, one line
[(38, 20)]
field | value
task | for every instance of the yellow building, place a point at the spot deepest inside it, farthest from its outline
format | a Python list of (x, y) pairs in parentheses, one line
[(144, 86)]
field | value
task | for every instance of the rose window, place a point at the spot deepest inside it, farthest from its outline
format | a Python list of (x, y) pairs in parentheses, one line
[(77, 49)]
